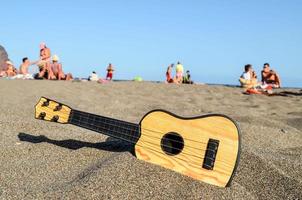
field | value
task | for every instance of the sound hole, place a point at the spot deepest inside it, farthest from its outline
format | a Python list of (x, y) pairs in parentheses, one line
[(172, 144)]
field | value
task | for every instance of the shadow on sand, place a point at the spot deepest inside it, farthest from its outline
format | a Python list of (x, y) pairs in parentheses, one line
[(110, 144)]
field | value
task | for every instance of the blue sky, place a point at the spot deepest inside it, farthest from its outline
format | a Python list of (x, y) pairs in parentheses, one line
[(214, 39)]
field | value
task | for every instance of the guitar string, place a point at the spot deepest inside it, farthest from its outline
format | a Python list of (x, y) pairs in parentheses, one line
[(86, 116), (148, 142), (157, 145), (135, 126), (150, 136)]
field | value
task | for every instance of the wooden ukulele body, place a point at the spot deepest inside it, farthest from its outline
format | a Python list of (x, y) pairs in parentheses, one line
[(205, 148), (195, 134)]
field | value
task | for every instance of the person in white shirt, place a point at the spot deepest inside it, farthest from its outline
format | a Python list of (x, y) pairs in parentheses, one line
[(249, 78), (249, 73)]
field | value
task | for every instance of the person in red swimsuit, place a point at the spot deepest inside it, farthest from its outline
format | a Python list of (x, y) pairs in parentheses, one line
[(169, 78), (109, 72)]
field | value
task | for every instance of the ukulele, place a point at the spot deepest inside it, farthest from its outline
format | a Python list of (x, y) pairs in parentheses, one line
[(205, 148)]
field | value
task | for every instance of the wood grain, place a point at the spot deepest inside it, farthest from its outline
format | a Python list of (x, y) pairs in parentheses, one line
[(196, 133)]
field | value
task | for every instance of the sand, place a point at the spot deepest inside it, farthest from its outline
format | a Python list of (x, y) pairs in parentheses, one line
[(41, 160)]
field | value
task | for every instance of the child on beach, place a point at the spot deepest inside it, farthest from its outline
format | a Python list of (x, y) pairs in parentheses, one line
[(270, 77), (109, 72)]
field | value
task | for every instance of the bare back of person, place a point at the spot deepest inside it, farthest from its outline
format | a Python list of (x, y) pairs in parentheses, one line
[(57, 71)]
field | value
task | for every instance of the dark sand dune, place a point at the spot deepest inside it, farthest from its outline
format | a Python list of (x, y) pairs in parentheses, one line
[(41, 160)]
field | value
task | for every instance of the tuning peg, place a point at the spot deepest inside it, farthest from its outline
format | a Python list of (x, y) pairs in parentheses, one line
[(55, 118), (45, 103), (58, 107), (42, 115)]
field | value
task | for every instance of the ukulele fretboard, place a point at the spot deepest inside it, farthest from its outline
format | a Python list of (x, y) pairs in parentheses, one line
[(126, 131)]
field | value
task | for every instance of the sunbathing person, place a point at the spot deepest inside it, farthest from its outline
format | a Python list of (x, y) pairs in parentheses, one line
[(270, 77), (56, 71), (169, 78), (248, 79), (10, 70), (109, 72)]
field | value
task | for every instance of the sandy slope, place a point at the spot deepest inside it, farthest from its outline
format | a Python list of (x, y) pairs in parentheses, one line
[(70, 162)]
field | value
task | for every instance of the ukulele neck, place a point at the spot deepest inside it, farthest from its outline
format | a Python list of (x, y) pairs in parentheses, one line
[(122, 130)]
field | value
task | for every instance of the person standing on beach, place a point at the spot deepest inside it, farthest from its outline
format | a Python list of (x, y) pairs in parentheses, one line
[(169, 78), (44, 53), (110, 70), (44, 63), (179, 72)]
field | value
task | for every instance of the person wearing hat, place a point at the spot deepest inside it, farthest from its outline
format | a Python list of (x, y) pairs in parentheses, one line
[(56, 71), (10, 70)]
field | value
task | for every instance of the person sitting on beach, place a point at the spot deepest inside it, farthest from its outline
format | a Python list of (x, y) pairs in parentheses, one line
[(10, 70), (93, 77), (169, 78), (56, 70), (25, 65), (110, 70), (270, 77), (249, 78), (179, 72), (187, 78)]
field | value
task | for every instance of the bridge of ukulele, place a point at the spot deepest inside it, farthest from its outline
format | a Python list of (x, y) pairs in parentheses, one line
[(210, 154)]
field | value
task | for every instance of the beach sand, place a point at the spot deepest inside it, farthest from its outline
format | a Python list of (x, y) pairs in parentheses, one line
[(42, 160)]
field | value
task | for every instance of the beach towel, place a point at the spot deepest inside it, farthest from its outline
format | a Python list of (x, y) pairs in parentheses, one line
[(22, 77)]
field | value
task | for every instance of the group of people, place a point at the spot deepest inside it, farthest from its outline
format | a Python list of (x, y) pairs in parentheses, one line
[(94, 76), (269, 79), (179, 77), (49, 67)]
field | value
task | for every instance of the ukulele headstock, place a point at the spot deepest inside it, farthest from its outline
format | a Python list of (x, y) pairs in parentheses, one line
[(53, 111)]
